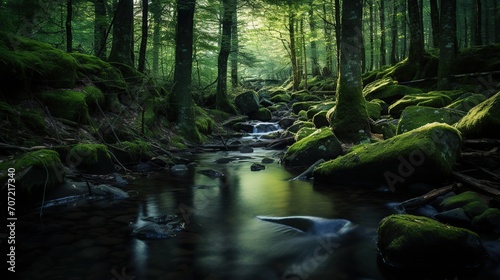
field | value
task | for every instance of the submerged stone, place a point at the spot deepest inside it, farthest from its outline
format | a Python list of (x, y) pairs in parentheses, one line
[(482, 121), (424, 154), (321, 144), (408, 241)]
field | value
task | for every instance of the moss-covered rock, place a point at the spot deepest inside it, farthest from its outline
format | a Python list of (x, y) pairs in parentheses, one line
[(430, 99), (482, 121), (132, 151), (262, 114), (321, 144), (91, 158), (467, 102), (385, 127), (478, 59), (489, 220), (320, 119), (35, 172), (387, 90), (417, 116), (303, 106), (374, 109), (460, 200), (247, 102), (325, 106), (421, 243), (304, 132), (294, 128), (285, 97), (94, 98), (204, 122), (424, 154), (67, 104)]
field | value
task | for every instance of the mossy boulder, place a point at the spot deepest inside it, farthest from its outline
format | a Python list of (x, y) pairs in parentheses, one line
[(294, 128), (247, 102), (430, 99), (482, 121), (387, 90), (35, 172), (67, 104), (417, 116), (385, 127), (489, 220), (304, 132), (262, 114), (320, 119), (304, 95), (321, 144), (467, 102), (374, 109), (478, 59), (427, 153), (460, 200), (303, 106), (423, 245), (132, 151), (324, 106), (285, 97), (91, 158)]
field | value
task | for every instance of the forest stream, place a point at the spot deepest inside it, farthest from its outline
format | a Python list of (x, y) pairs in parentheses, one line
[(226, 230)]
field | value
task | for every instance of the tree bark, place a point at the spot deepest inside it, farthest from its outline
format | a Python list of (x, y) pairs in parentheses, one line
[(156, 10), (435, 23), (447, 47), (350, 119), (293, 48), (122, 46), (69, 32), (100, 30), (144, 36), (234, 48), (181, 102), (478, 40), (222, 101), (383, 60), (315, 68), (394, 34), (417, 51)]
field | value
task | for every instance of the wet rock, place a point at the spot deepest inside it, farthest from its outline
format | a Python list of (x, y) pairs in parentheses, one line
[(420, 243), (179, 169), (161, 219), (246, 149), (267, 160), (108, 190), (456, 217), (489, 220), (424, 154), (92, 158), (482, 121), (262, 114), (157, 231), (286, 122), (211, 173), (257, 167), (322, 144)]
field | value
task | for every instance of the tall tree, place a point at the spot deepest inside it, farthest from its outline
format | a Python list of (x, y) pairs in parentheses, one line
[(417, 51), (496, 11), (394, 33), (350, 120), (434, 23), (447, 45), (122, 46), (100, 30), (156, 11), (181, 101), (144, 36), (235, 48), (315, 68), (477, 35), (69, 31), (382, 34), (221, 99), (293, 48)]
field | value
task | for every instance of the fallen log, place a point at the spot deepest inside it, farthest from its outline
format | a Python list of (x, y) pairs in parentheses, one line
[(482, 185), (430, 196)]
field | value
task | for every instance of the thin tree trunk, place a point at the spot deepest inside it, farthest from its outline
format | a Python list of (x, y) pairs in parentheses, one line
[(338, 29), (477, 26), (315, 68), (156, 10), (234, 49), (221, 99), (144, 36), (350, 120), (372, 34), (417, 51), (100, 29), (394, 35), (69, 32), (447, 45), (496, 18), (327, 29), (383, 60), (293, 50), (435, 23), (404, 24)]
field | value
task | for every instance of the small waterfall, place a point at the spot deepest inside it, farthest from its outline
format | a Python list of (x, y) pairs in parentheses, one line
[(265, 127)]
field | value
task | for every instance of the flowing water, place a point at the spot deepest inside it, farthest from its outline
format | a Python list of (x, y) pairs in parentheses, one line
[(223, 236)]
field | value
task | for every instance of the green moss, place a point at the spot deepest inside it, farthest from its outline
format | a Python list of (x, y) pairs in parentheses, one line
[(488, 220), (136, 150), (482, 121), (298, 125), (320, 119), (460, 200), (431, 99), (305, 105), (304, 132), (420, 242), (93, 96), (67, 104), (33, 120), (433, 148), (285, 97), (262, 114), (178, 142), (478, 59), (417, 116), (204, 123), (92, 158), (475, 208), (32, 169), (373, 109), (467, 102), (324, 106)]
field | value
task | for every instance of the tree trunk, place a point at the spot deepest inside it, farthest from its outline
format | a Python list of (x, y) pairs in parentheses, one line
[(100, 29), (338, 29), (156, 10), (315, 68), (404, 24), (144, 36), (394, 34), (417, 51), (293, 49), (478, 40), (221, 99), (121, 48), (447, 47), (69, 32), (350, 119), (181, 102), (234, 48), (383, 60), (372, 34), (435, 23), (327, 29), (496, 18)]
